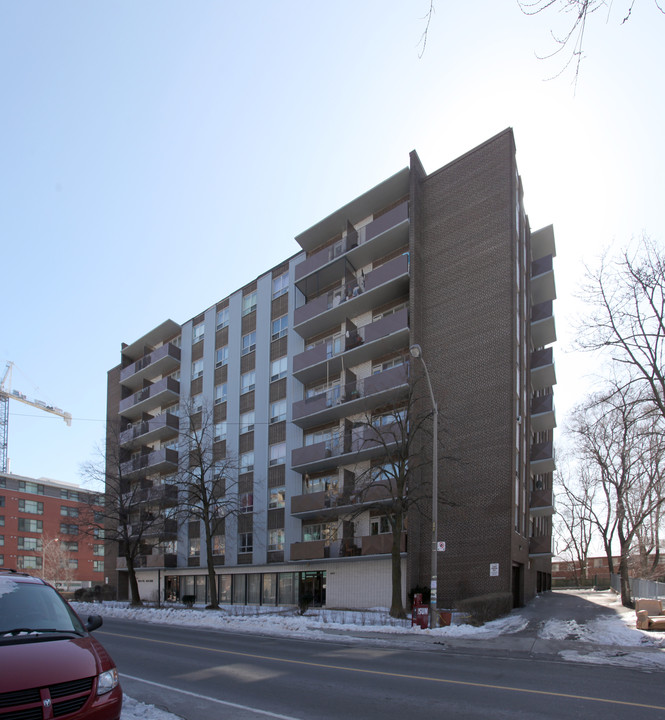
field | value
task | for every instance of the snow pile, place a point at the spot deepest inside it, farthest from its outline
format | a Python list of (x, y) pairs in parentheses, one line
[(134, 710)]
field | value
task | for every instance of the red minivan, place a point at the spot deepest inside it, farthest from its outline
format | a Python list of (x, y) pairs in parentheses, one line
[(50, 666)]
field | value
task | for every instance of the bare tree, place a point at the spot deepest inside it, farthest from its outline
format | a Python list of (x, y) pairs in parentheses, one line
[(56, 561), (130, 513), (623, 452), (390, 486), (575, 526), (570, 43), (206, 482), (627, 319)]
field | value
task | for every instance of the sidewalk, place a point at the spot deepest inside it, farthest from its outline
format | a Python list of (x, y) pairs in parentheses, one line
[(578, 626)]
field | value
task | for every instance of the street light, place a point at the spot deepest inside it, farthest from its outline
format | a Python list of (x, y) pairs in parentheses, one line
[(417, 352)]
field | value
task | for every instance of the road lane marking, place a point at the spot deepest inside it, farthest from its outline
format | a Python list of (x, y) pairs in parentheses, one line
[(210, 699), (366, 671)]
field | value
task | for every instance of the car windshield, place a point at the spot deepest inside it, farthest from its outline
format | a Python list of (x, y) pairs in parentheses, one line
[(32, 607)]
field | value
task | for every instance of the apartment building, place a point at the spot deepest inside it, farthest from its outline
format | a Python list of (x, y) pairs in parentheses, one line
[(41, 531), (302, 367)]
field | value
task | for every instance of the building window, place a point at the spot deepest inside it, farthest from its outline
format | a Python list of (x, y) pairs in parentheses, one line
[(249, 303), (222, 356), (69, 495), (220, 393), (325, 483), (31, 506), (197, 403), (2, 520), (280, 327), (278, 454), (72, 546), (280, 285), (98, 566), (67, 511), (218, 544), (248, 343), (247, 422), (247, 381), (30, 487), (247, 462), (197, 332), (278, 411), (2, 559), (245, 542), (387, 365), (246, 502), (278, 368), (30, 543), (194, 547), (2, 500), (379, 526), (319, 531), (2, 539), (68, 529), (29, 562), (277, 498), (219, 432), (72, 563), (197, 369), (275, 540), (25, 525), (98, 533), (222, 318)]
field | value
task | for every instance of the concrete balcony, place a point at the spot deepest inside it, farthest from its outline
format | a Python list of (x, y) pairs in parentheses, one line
[(543, 331), (158, 495), (542, 280), (362, 443), (540, 546), (164, 460), (163, 427), (542, 242), (375, 339), (162, 361), (388, 281), (542, 369), (326, 505), (542, 458), (543, 415), (323, 549), (542, 503), (157, 560), (380, 544), (162, 392), (352, 398), (381, 237)]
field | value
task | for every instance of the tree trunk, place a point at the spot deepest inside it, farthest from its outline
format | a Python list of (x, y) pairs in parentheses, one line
[(135, 597), (396, 606), (626, 598), (212, 578)]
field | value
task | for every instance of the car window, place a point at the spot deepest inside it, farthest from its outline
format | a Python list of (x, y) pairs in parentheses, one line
[(32, 606)]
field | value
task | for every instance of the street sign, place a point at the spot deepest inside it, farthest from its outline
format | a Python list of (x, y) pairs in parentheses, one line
[(494, 569), (441, 546)]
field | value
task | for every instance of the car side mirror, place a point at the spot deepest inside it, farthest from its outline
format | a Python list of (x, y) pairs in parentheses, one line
[(94, 622)]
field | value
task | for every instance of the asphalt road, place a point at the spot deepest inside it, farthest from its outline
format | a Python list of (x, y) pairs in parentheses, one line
[(206, 674)]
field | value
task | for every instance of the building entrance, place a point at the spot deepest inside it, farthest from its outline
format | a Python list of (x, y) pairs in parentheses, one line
[(313, 588)]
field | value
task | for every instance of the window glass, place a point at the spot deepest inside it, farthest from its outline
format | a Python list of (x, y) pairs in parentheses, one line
[(220, 393), (254, 588), (280, 285), (276, 540), (31, 506), (197, 369), (245, 542), (219, 432), (249, 303), (197, 402), (246, 502), (247, 381), (278, 454), (278, 411), (239, 588), (277, 498), (248, 343), (197, 332), (269, 589), (247, 422), (247, 462), (278, 368), (287, 588), (222, 318), (280, 327), (221, 356)]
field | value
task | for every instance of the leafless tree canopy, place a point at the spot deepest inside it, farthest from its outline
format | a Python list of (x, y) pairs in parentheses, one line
[(570, 43), (626, 297), (622, 455)]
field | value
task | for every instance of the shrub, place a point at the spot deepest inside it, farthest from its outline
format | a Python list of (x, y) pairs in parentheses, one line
[(484, 608)]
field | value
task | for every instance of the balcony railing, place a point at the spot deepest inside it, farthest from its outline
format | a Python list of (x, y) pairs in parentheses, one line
[(353, 297), (361, 344), (542, 458), (162, 361), (360, 444), (540, 545), (357, 247), (353, 547), (163, 426), (541, 502), (543, 330), (149, 398), (542, 280), (163, 460), (542, 369), (543, 415), (381, 544), (350, 398), (163, 495), (333, 503)]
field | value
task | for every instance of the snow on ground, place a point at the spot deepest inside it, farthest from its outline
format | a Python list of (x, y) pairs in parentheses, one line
[(618, 641)]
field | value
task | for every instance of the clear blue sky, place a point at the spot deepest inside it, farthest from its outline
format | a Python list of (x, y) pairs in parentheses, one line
[(146, 146)]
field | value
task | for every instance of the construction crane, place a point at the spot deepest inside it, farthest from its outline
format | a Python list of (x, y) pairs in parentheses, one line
[(7, 394)]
